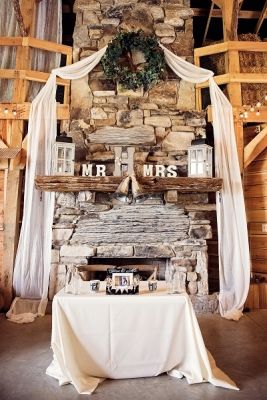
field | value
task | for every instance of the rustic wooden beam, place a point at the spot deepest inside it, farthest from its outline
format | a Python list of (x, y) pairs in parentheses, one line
[(255, 147), (208, 24), (15, 130), (21, 111), (30, 75), (35, 43), (19, 17), (218, 3), (261, 18), (111, 183), (217, 13)]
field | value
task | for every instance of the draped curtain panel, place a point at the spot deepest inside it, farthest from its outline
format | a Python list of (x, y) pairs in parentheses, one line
[(32, 266), (48, 26)]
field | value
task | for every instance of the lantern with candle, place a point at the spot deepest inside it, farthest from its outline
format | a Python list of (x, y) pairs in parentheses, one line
[(63, 155), (199, 158)]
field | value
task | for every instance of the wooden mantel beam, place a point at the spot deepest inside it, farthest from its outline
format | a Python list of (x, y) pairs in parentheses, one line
[(111, 183)]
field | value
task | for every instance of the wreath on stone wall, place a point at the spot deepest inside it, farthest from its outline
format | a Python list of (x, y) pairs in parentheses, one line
[(118, 63)]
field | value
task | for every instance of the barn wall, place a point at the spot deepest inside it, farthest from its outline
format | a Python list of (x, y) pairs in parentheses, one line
[(255, 186)]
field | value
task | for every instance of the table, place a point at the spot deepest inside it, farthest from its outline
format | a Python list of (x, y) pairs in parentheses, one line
[(96, 336)]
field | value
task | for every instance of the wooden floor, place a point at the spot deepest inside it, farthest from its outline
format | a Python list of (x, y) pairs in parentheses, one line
[(240, 349)]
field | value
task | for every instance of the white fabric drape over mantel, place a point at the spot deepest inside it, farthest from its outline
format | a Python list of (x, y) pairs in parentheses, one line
[(31, 275)]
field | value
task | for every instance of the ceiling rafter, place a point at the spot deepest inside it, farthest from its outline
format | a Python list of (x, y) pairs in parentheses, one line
[(208, 23), (261, 18)]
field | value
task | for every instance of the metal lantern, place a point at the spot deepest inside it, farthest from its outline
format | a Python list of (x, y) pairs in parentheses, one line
[(199, 159), (63, 155)]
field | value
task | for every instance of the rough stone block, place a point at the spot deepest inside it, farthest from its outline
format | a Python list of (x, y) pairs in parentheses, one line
[(74, 260), (115, 251), (86, 195), (177, 141), (175, 21), (77, 250), (164, 93), (66, 199), (130, 118), (61, 235), (104, 93), (195, 121), (174, 11), (98, 113), (81, 98), (158, 121), (164, 30), (153, 251), (54, 256), (81, 36), (110, 21), (200, 232), (186, 96), (167, 40), (192, 287), (157, 13), (191, 277), (82, 5), (90, 17)]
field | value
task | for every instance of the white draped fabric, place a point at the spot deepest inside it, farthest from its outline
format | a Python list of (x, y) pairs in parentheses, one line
[(48, 26), (31, 275), (95, 336)]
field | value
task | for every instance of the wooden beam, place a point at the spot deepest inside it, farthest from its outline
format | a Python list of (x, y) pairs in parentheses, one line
[(218, 3), (30, 75), (111, 183), (23, 111), (19, 17), (255, 147), (217, 13), (14, 140), (208, 24), (261, 18)]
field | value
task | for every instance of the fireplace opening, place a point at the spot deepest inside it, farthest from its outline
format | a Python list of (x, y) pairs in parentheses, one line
[(97, 267)]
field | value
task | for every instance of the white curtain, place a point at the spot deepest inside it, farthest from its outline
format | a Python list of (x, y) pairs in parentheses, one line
[(48, 26), (31, 275)]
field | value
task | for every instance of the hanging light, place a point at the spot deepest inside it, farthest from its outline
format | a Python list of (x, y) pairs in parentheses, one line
[(258, 104), (258, 113), (6, 111), (14, 112), (252, 108), (241, 115)]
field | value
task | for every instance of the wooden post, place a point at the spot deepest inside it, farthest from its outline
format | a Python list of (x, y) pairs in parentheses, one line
[(14, 138)]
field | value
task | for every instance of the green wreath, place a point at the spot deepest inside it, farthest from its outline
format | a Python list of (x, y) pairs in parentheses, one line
[(128, 75)]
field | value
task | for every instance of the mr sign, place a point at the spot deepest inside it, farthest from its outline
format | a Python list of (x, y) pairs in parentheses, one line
[(159, 170)]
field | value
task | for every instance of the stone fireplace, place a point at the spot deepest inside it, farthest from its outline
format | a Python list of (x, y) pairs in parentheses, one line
[(169, 226)]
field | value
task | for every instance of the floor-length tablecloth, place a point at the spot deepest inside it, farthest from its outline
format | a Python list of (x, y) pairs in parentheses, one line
[(96, 336)]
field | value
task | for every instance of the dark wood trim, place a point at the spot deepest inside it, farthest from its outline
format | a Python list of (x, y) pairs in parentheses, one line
[(111, 183)]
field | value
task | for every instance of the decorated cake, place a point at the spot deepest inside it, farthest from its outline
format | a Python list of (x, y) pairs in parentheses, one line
[(122, 281)]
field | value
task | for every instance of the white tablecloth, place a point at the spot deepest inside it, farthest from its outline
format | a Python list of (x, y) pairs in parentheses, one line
[(96, 336)]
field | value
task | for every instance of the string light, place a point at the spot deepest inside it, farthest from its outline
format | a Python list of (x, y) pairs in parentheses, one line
[(258, 113), (6, 111)]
